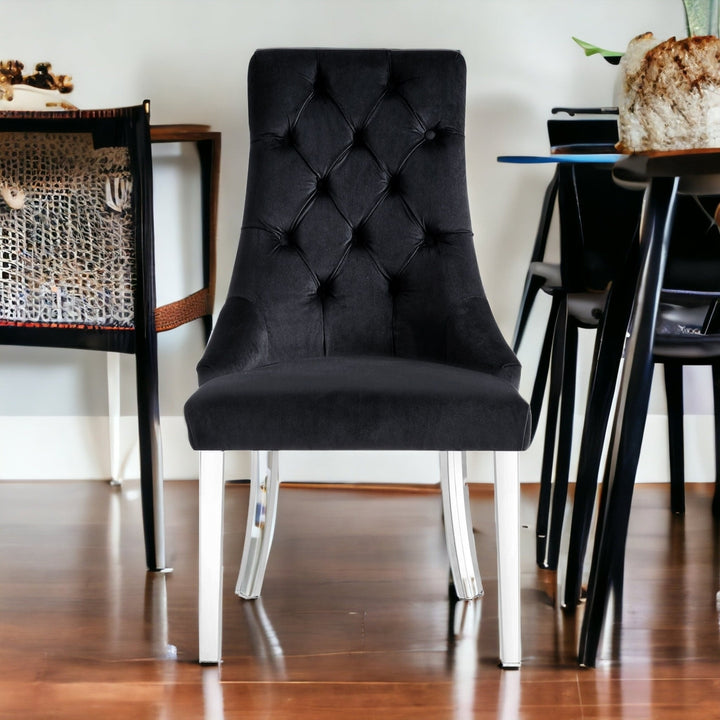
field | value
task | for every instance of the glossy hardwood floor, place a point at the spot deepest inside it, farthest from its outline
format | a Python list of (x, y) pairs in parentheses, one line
[(355, 620)]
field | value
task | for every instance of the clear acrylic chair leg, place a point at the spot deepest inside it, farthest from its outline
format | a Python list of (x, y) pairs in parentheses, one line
[(507, 529), (262, 510), (458, 525), (212, 495)]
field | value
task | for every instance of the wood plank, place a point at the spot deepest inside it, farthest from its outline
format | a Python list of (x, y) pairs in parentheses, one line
[(354, 621)]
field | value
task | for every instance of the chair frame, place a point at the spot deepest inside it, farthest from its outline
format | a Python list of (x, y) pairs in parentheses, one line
[(262, 510), (142, 340)]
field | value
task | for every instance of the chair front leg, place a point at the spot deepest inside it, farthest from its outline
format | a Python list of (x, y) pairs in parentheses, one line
[(260, 528), (212, 495), (507, 529), (458, 525)]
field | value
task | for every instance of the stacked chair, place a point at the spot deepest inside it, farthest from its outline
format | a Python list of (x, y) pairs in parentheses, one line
[(593, 286)]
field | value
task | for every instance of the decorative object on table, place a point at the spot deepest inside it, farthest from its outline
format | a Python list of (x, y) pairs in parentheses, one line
[(669, 95), (668, 92), (40, 90)]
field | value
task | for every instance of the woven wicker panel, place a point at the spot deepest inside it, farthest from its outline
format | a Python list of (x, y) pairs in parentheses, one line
[(67, 253)]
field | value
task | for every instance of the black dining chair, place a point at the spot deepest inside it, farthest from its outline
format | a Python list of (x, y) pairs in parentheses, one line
[(356, 318), (77, 264), (690, 289), (598, 223), (591, 135), (594, 244), (686, 334)]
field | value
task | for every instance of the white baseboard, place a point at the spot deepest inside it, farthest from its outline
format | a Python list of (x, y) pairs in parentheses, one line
[(77, 448)]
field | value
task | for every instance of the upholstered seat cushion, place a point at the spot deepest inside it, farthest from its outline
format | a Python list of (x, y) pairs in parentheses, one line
[(358, 403)]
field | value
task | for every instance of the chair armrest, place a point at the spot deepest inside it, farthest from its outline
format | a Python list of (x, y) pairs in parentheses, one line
[(239, 341), (473, 340)]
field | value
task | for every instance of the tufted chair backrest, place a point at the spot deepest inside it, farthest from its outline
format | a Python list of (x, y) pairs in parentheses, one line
[(356, 235)]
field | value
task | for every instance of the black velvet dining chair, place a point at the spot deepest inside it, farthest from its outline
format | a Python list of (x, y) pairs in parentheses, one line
[(356, 318)]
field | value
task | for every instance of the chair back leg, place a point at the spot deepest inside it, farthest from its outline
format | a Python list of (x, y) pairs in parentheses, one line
[(260, 528), (716, 402), (674, 394), (212, 495), (458, 525), (507, 529), (557, 371)]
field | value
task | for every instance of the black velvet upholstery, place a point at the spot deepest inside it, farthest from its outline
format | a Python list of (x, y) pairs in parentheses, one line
[(356, 318)]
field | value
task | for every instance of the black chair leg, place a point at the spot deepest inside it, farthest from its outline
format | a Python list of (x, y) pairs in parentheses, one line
[(548, 460), (674, 393), (533, 283), (151, 478), (541, 376), (608, 351), (562, 465), (716, 399)]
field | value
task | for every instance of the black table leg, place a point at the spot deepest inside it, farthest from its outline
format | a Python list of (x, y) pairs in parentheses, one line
[(630, 414)]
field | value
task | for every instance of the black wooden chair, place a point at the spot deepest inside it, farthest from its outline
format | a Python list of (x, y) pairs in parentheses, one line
[(77, 267), (356, 318)]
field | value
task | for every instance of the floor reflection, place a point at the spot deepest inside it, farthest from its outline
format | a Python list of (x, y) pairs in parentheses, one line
[(509, 695), (213, 704), (263, 637), (156, 616), (463, 626)]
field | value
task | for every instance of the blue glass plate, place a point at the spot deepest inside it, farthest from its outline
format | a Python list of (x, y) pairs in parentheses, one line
[(604, 158)]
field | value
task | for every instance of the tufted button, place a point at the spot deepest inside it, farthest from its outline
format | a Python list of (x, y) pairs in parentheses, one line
[(320, 86), (287, 238), (324, 290), (394, 184), (430, 134), (394, 286), (291, 136), (431, 238), (322, 186), (360, 137), (359, 237)]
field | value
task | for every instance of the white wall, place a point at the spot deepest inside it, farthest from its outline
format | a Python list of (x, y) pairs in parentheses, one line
[(190, 59)]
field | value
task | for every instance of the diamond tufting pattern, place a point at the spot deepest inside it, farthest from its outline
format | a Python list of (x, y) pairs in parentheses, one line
[(368, 215)]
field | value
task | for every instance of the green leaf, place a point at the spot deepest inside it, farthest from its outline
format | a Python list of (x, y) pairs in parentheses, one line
[(591, 49)]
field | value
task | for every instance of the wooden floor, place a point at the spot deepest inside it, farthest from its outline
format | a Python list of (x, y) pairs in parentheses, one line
[(355, 620)]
